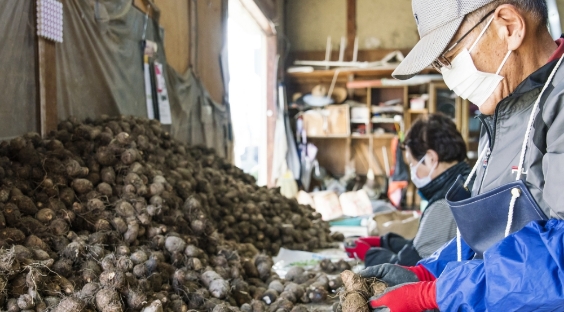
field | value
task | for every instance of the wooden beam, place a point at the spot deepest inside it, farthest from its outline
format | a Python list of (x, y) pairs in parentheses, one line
[(47, 86), (264, 23), (351, 28), (268, 7)]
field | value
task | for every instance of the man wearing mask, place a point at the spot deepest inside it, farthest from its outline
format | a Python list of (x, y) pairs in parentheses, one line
[(499, 55)]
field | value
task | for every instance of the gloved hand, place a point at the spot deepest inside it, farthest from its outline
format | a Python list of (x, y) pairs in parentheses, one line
[(373, 241), (357, 249), (394, 274), (410, 297)]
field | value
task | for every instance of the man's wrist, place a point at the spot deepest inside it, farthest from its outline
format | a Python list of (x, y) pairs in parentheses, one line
[(422, 273)]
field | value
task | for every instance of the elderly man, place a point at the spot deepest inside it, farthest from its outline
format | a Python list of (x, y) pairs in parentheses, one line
[(500, 56)]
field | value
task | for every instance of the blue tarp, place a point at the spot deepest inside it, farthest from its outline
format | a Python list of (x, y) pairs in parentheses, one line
[(523, 272)]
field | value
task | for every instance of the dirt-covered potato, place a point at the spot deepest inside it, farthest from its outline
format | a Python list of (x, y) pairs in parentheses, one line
[(113, 214)]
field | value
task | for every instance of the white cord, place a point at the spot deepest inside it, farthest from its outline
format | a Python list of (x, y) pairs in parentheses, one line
[(458, 245), (532, 119), (473, 172), (515, 194)]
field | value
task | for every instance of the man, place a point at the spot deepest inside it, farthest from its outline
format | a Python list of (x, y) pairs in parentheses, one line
[(500, 56)]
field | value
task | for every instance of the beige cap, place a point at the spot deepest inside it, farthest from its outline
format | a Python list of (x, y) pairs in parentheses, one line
[(437, 23)]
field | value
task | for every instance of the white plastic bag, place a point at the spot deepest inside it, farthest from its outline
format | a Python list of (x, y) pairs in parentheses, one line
[(328, 205), (355, 204)]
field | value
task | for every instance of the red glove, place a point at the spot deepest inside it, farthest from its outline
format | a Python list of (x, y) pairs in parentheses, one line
[(357, 250), (410, 297), (373, 241), (422, 273)]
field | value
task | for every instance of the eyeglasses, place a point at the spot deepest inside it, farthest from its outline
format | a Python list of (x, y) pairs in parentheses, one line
[(442, 61)]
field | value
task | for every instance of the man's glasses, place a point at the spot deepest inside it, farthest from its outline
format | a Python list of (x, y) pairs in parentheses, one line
[(442, 61)]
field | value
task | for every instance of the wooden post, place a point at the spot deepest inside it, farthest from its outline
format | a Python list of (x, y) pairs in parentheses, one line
[(193, 5), (351, 29), (47, 86)]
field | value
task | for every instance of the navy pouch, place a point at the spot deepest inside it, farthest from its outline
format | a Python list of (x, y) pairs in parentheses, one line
[(482, 219)]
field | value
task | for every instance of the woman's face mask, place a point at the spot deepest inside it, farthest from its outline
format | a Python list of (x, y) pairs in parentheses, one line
[(467, 81), (417, 181)]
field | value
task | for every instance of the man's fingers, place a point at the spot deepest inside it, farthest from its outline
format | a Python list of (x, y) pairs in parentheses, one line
[(366, 273), (370, 272)]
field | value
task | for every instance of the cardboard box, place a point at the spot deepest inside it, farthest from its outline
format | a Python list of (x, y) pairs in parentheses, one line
[(329, 121), (404, 223)]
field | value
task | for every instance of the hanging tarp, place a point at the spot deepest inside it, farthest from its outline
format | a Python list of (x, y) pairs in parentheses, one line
[(100, 71), (18, 96), (196, 117), (99, 65)]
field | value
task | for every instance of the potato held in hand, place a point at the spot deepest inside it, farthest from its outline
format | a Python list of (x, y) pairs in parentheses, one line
[(357, 291)]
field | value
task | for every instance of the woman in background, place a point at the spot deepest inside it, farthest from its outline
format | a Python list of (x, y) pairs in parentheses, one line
[(436, 154)]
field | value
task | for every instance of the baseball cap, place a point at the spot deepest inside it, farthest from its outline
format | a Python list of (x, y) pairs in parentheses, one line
[(437, 22)]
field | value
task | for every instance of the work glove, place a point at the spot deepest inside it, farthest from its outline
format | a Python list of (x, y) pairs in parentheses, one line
[(410, 297), (357, 249), (393, 274), (373, 241)]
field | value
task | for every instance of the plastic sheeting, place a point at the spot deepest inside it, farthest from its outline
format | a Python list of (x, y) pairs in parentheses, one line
[(99, 71), (99, 68), (99, 65), (196, 118), (18, 98)]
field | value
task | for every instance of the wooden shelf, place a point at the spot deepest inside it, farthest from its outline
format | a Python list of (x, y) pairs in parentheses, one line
[(333, 136), (375, 136), (357, 136), (357, 72), (360, 137), (343, 73), (385, 136), (418, 111), (384, 120)]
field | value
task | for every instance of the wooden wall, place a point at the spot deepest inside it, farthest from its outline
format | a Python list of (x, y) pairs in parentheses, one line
[(175, 19), (210, 42), (381, 24)]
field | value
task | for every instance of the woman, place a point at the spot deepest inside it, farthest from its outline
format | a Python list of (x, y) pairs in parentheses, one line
[(436, 153)]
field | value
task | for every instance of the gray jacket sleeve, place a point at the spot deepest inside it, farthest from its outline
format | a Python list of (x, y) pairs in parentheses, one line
[(437, 227), (553, 159)]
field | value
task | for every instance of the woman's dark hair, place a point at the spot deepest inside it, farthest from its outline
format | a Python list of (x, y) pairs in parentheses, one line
[(436, 132)]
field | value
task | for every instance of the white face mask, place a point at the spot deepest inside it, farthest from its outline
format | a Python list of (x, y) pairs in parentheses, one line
[(420, 182), (467, 81)]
